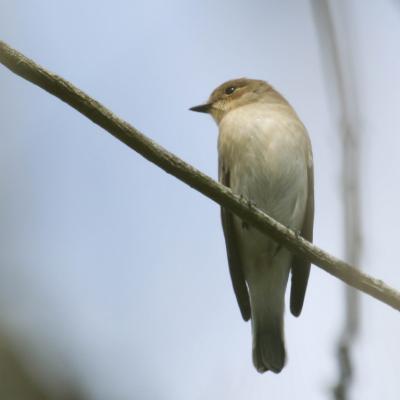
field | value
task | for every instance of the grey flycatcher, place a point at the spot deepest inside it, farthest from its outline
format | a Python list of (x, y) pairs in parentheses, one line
[(264, 155)]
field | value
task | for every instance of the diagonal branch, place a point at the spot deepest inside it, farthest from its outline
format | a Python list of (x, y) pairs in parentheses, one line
[(170, 163)]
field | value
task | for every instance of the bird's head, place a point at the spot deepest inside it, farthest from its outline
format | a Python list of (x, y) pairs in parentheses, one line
[(236, 93)]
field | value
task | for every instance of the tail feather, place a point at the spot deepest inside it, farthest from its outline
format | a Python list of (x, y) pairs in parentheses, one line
[(269, 348), (267, 297)]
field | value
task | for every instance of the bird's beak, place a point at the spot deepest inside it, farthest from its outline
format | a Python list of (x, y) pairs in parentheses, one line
[(204, 108)]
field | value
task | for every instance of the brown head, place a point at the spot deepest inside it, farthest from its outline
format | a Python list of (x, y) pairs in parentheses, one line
[(236, 93)]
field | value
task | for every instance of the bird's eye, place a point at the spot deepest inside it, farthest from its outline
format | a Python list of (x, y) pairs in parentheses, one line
[(230, 90)]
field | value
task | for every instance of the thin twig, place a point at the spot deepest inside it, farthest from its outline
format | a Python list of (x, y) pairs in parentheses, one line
[(170, 163)]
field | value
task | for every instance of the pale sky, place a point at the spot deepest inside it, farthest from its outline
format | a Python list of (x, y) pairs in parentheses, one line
[(114, 273)]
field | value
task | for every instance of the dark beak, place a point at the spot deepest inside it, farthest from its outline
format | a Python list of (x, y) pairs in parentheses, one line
[(204, 108)]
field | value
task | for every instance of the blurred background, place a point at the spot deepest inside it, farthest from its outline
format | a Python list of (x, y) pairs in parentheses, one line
[(114, 281)]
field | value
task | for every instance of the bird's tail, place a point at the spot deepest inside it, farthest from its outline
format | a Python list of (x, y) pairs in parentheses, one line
[(267, 295), (268, 344)]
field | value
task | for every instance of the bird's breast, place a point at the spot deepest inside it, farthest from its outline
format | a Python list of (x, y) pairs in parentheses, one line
[(265, 150)]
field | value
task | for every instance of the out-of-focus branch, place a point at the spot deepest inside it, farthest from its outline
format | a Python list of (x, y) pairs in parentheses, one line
[(170, 163), (339, 75)]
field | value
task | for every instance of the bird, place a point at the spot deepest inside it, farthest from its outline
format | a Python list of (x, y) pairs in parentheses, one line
[(264, 155)]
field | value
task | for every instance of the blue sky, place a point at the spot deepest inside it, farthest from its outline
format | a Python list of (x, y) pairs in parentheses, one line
[(114, 273)]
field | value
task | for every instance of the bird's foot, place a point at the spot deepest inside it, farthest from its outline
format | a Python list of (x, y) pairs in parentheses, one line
[(251, 204)]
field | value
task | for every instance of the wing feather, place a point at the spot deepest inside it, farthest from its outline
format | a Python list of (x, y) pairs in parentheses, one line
[(238, 280), (301, 267)]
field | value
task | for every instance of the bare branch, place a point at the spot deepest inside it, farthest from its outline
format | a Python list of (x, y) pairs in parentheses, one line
[(170, 163)]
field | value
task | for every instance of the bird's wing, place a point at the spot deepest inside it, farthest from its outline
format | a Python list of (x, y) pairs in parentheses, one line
[(301, 267), (238, 281)]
